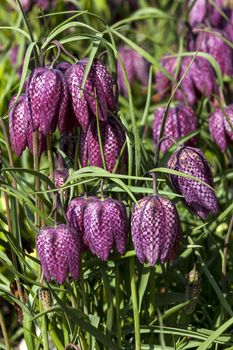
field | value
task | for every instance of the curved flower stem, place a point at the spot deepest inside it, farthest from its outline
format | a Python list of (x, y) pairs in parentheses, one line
[(56, 58), (118, 302), (225, 251), (4, 331), (61, 47), (135, 304)]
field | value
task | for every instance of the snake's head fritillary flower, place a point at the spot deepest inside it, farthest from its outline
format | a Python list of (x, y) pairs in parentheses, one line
[(105, 226), (99, 86), (199, 197), (113, 138), (18, 124), (59, 252), (204, 11), (217, 129), (181, 120), (199, 80), (136, 68), (47, 99), (220, 126), (67, 144), (155, 229), (213, 44)]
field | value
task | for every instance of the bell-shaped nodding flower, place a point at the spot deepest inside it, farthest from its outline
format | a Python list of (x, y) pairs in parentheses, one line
[(47, 99), (84, 101), (18, 124), (199, 80), (155, 229), (59, 252), (214, 44), (113, 138), (102, 223), (136, 68), (181, 120), (105, 226), (198, 197), (21, 133), (220, 126), (203, 11)]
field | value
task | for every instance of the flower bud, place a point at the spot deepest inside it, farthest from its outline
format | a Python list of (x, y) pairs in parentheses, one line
[(181, 120), (155, 229), (59, 252), (198, 197)]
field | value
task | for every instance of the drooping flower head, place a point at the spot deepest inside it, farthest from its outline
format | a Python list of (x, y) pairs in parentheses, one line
[(105, 227), (199, 198), (155, 229), (59, 252), (213, 44), (220, 126), (99, 86), (203, 11), (181, 120), (47, 99), (113, 138), (136, 68), (21, 132), (200, 79)]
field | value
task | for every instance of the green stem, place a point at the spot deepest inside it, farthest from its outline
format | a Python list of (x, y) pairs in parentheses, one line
[(55, 339), (118, 301), (152, 294), (36, 167), (135, 305), (4, 331), (50, 157)]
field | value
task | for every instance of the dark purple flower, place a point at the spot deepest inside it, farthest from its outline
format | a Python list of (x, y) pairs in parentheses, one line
[(27, 5), (63, 66), (228, 28), (105, 226), (198, 197), (181, 120), (18, 124), (113, 138), (213, 44), (200, 79), (163, 84), (59, 252), (47, 99), (84, 102), (136, 67), (155, 229), (220, 126), (46, 4), (203, 11)]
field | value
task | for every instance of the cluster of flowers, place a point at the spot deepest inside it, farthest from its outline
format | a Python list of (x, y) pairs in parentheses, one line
[(54, 97)]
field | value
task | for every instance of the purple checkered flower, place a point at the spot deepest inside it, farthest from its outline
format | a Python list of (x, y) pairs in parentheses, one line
[(198, 197), (18, 124), (199, 80), (213, 44), (84, 102), (203, 11), (155, 229), (136, 67), (105, 227), (59, 252), (75, 213), (181, 120), (60, 176), (220, 126), (47, 100), (113, 138)]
